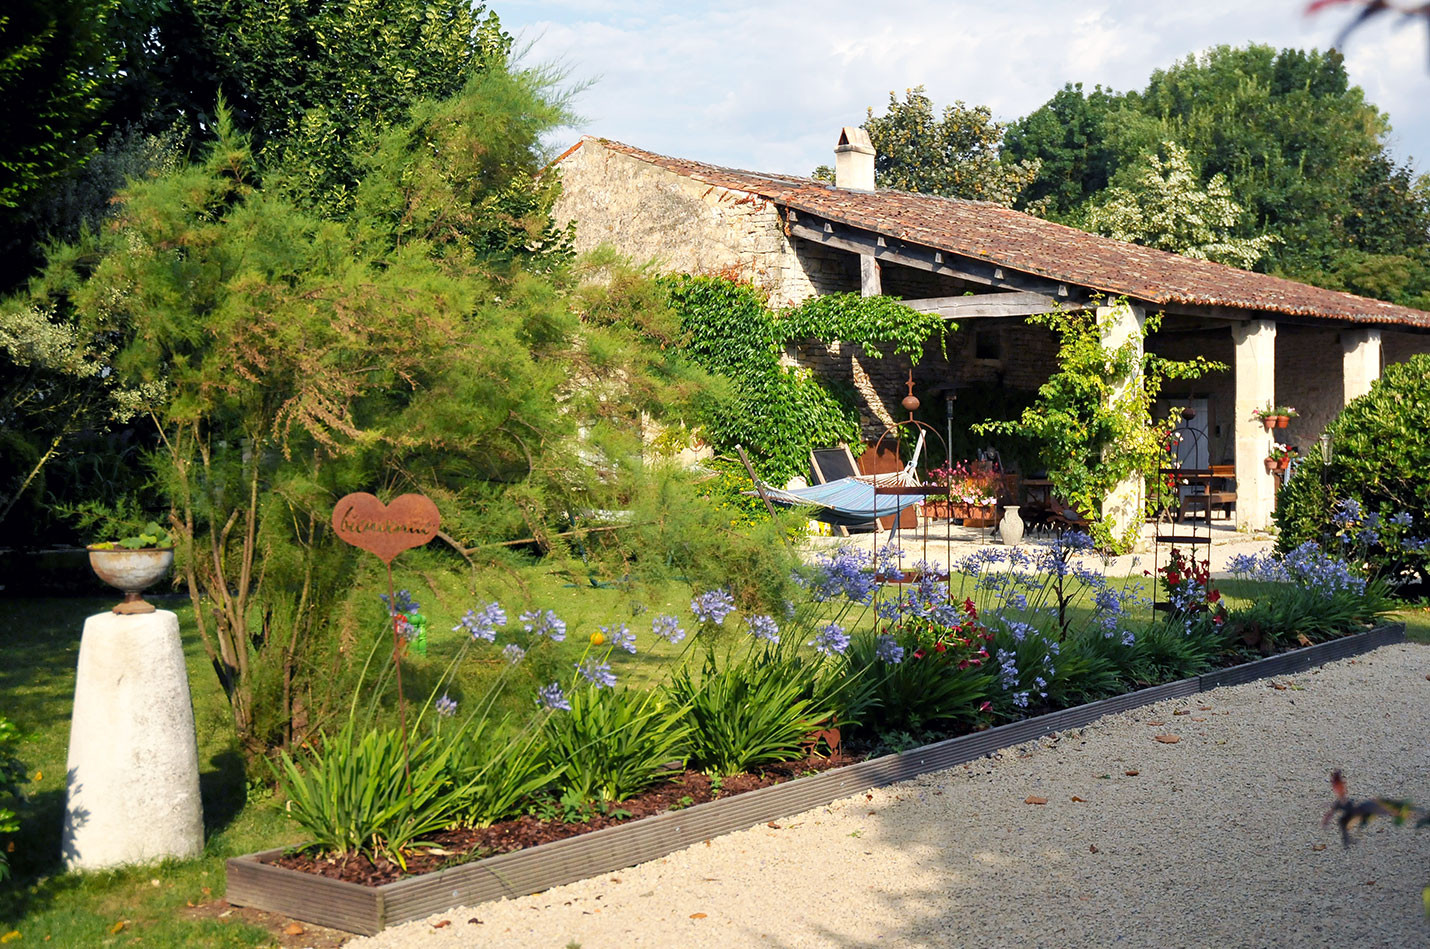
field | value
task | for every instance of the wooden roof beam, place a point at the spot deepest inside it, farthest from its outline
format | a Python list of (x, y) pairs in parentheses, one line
[(882, 247), (992, 305)]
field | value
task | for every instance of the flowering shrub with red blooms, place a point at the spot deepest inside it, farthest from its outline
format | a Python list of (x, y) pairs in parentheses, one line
[(964, 645), (1189, 588)]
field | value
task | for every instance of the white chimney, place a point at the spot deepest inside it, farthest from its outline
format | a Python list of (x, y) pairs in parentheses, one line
[(854, 160)]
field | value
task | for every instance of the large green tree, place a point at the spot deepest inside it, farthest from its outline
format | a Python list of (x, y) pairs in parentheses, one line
[(1299, 147), (425, 340), (954, 154)]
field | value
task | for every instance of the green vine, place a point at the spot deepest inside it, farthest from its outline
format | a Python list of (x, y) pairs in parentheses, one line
[(778, 413), (1092, 431), (871, 322)]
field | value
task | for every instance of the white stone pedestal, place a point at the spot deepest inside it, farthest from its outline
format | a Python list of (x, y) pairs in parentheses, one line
[(133, 771)]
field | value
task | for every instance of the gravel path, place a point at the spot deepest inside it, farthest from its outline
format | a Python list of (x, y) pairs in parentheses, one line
[(1216, 841)]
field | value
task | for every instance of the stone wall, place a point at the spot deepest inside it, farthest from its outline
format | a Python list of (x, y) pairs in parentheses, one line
[(1308, 378), (649, 213), (1399, 345)]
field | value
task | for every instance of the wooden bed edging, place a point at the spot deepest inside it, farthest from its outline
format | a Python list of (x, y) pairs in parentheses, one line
[(254, 881)]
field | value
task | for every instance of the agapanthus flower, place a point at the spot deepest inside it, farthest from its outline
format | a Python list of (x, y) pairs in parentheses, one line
[(402, 602), (667, 627), (846, 574), (713, 607), (544, 623), (513, 653), (597, 673), (763, 627), (445, 705), (551, 696), (620, 637), (483, 623), (887, 649), (831, 640)]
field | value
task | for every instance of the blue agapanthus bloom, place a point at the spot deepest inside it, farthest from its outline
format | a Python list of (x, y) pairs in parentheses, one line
[(887, 649), (597, 673), (620, 637), (483, 623), (763, 627), (1007, 669), (544, 623), (513, 653), (402, 602), (713, 606), (445, 705), (667, 627), (831, 640), (846, 573), (551, 696)]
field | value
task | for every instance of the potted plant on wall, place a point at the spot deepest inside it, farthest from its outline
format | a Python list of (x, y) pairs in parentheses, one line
[(1266, 416), (133, 564), (1280, 457), (1284, 415)]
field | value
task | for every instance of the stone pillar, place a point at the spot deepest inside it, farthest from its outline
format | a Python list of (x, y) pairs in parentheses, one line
[(1255, 372), (1117, 325), (1360, 362), (133, 770), (869, 282)]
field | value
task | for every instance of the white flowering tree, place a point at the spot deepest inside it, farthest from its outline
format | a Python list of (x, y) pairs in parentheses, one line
[(1171, 209)]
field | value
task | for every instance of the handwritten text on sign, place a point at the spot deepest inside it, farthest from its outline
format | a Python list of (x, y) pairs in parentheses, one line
[(386, 530)]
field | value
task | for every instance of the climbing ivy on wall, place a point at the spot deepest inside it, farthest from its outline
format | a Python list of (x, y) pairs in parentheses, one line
[(778, 413)]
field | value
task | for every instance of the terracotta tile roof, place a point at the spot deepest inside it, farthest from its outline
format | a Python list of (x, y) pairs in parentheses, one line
[(1029, 244)]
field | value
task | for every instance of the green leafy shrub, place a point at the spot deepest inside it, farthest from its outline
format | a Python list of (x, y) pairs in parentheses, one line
[(1373, 500), (614, 743), (353, 794), (12, 774), (924, 690), (749, 711), (498, 768)]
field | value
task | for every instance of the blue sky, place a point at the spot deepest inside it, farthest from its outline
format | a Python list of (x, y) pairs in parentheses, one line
[(766, 85)]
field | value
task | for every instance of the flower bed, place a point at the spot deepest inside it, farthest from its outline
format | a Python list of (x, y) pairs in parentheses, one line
[(859, 667), (258, 879)]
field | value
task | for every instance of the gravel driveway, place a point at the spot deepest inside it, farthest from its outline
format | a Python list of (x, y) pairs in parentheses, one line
[(1212, 841)]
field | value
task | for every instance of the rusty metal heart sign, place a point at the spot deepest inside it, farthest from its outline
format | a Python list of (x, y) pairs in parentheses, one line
[(386, 530)]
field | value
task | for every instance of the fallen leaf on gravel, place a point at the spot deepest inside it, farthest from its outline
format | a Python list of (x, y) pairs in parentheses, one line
[(870, 797), (1156, 723), (1278, 687), (1167, 739), (1204, 708), (474, 921), (1182, 711), (1319, 847), (294, 929), (697, 915), (1368, 883), (1030, 799), (441, 924), (1198, 719), (615, 879), (1092, 848), (772, 825), (1079, 799), (1132, 774)]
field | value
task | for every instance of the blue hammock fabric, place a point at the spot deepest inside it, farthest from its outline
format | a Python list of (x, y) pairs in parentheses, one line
[(847, 501)]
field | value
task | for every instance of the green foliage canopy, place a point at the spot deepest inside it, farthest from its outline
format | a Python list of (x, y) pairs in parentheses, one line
[(1373, 501)]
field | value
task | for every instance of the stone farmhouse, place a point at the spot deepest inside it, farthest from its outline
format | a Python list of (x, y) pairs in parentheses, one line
[(989, 267)]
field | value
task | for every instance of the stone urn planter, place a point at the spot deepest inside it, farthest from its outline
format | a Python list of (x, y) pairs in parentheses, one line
[(1010, 528), (132, 571)]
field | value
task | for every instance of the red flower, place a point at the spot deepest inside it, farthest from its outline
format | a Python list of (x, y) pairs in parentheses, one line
[(985, 706), (918, 653), (939, 647)]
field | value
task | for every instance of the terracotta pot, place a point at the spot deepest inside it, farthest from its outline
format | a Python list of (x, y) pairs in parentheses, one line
[(1283, 464), (1282, 421), (1270, 465), (1269, 421), (979, 516), (132, 571)]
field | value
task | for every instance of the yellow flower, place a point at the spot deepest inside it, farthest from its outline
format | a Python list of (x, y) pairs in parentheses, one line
[(597, 638)]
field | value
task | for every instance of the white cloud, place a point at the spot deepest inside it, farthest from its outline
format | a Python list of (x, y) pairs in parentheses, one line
[(767, 85)]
